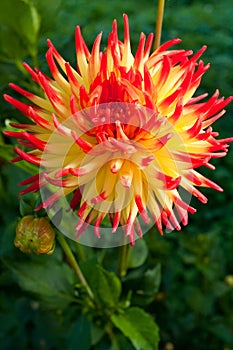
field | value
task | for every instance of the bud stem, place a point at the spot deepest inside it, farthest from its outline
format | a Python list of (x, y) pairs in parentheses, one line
[(159, 23), (73, 263)]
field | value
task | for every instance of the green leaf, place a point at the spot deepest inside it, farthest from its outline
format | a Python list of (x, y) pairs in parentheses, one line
[(137, 254), (144, 284), (151, 280), (23, 22), (50, 281), (103, 344), (48, 11), (121, 342), (22, 17), (96, 334), (105, 285), (12, 47), (80, 334), (27, 204), (139, 327)]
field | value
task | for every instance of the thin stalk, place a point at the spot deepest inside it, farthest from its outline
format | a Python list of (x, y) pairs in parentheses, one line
[(159, 23), (123, 260), (80, 252), (34, 56), (112, 336), (73, 263)]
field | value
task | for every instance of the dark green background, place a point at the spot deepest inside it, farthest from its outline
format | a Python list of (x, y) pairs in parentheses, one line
[(193, 307)]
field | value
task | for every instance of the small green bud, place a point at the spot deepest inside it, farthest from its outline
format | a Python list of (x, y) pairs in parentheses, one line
[(35, 235)]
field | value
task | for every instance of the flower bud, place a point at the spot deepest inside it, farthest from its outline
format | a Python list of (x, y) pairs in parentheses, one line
[(35, 235)]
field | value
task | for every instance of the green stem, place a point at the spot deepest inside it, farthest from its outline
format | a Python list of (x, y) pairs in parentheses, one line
[(34, 55), (73, 263), (114, 340), (123, 260), (159, 23), (80, 252)]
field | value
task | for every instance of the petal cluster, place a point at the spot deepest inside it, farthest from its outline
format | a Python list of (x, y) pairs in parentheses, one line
[(121, 133)]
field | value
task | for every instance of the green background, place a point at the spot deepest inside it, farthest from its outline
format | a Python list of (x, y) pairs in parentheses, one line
[(193, 305)]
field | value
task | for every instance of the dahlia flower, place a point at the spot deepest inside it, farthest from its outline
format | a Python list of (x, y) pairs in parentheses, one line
[(121, 136)]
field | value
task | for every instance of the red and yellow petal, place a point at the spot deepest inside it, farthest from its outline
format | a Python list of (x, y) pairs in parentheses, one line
[(122, 132)]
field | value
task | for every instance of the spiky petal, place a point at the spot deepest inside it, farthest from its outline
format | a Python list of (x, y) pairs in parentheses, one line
[(122, 133)]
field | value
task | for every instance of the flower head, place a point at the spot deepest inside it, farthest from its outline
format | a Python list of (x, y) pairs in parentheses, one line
[(122, 133)]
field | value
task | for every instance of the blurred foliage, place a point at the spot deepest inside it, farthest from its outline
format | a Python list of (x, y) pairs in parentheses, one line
[(40, 305)]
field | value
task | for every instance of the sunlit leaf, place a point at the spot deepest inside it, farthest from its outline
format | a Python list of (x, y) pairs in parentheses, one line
[(139, 327)]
